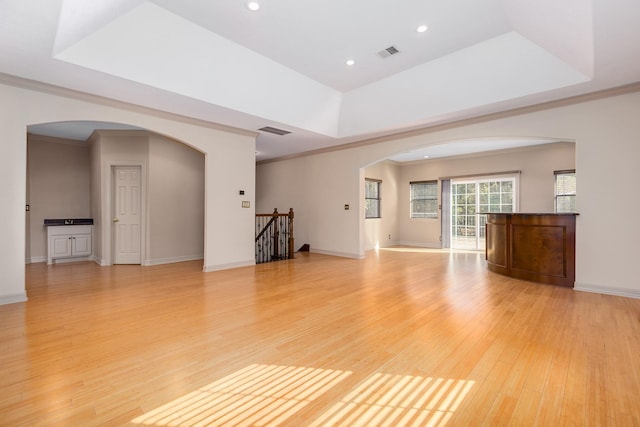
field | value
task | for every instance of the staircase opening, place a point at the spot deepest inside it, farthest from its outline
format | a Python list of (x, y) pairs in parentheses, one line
[(274, 236)]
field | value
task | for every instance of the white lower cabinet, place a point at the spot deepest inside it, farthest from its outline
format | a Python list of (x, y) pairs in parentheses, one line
[(68, 241)]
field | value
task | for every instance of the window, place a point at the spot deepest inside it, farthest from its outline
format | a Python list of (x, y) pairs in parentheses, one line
[(565, 191), (424, 199), (372, 198)]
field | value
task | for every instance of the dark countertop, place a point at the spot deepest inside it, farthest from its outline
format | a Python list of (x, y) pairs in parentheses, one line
[(69, 221)]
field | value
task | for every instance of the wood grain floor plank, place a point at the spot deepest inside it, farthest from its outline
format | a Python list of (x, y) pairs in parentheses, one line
[(407, 336)]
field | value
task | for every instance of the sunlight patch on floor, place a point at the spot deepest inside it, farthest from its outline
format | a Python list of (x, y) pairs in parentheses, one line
[(268, 395), (416, 249), (259, 395), (398, 400)]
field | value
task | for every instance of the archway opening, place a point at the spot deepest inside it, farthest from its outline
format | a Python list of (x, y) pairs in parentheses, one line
[(418, 207), (70, 167)]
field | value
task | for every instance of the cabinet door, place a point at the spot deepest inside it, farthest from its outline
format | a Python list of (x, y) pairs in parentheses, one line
[(60, 246), (81, 245)]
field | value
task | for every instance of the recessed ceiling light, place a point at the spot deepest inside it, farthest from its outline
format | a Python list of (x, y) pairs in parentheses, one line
[(253, 6), (426, 157), (422, 28), (350, 62)]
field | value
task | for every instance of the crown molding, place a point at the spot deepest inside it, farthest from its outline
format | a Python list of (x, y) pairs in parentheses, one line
[(38, 86), (33, 137), (577, 99)]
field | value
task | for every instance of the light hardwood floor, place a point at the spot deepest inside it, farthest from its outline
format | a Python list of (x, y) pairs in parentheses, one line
[(403, 337)]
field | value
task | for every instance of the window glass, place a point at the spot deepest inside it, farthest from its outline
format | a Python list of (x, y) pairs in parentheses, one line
[(471, 201), (424, 199), (372, 198), (565, 191)]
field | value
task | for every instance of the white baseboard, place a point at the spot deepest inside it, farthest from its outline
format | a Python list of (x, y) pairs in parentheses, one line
[(218, 267), (78, 259), (37, 259), (334, 253), (100, 261), (11, 299), (387, 244), (171, 260), (429, 245), (621, 292)]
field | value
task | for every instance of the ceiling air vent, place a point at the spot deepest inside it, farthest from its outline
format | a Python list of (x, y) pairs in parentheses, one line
[(391, 50), (274, 130)]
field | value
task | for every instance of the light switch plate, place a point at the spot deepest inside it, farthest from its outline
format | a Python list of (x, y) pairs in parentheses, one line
[(246, 204)]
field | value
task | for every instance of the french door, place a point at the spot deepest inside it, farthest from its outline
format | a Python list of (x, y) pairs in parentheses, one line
[(470, 201)]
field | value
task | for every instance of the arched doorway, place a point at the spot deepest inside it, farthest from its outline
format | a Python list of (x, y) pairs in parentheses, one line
[(72, 167), (462, 175)]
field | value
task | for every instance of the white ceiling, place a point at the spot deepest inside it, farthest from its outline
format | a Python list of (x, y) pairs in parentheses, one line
[(468, 146), (284, 65)]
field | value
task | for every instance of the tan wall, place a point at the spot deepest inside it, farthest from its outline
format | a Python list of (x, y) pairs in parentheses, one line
[(58, 179)]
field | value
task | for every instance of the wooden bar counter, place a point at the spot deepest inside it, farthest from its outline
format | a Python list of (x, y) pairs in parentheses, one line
[(535, 247)]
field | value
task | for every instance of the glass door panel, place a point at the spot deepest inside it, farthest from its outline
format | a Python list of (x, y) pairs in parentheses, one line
[(470, 202)]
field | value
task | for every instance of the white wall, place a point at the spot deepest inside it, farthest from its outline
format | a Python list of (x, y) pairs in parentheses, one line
[(607, 136), (229, 165)]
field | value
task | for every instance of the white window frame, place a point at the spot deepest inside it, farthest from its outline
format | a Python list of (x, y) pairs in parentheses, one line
[(555, 190), (423, 215), (378, 199)]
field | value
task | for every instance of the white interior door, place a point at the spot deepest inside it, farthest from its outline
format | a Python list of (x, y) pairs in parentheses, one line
[(127, 221)]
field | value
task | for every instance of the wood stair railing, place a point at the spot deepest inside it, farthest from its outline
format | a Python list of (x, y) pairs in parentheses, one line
[(274, 236)]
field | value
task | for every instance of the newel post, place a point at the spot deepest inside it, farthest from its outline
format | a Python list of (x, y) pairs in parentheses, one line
[(290, 233), (276, 234)]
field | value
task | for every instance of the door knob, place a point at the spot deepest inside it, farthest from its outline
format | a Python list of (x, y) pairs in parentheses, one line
[(115, 220)]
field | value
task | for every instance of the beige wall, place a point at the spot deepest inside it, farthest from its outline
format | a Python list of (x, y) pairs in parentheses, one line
[(383, 232), (172, 188), (606, 131), (58, 187), (95, 148), (176, 202), (110, 148), (317, 188)]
